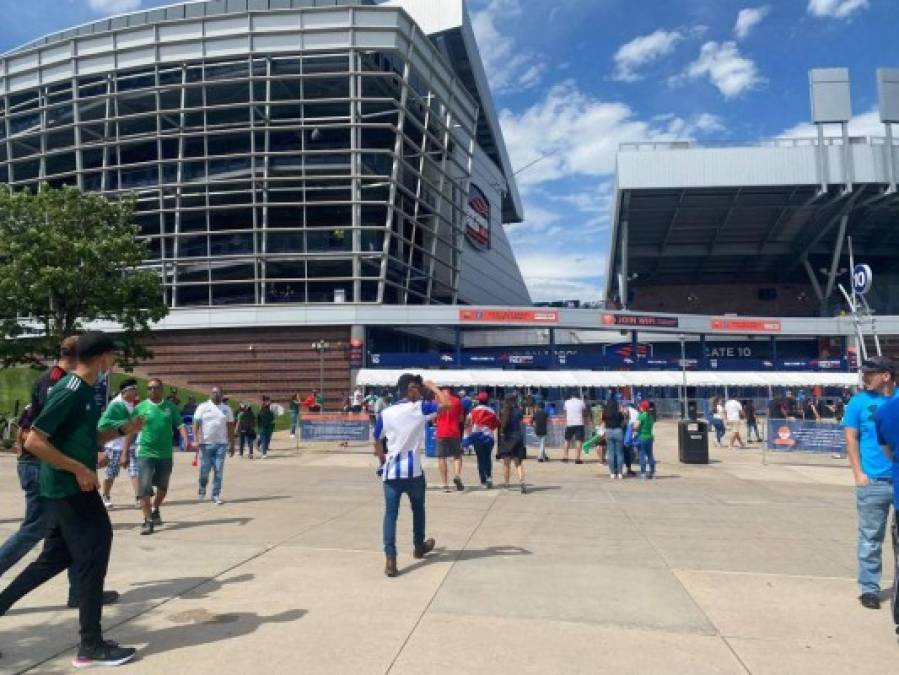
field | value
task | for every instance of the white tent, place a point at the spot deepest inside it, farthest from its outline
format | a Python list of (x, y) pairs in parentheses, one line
[(370, 377)]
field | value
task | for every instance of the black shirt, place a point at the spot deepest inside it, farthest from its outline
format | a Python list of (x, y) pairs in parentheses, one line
[(540, 422)]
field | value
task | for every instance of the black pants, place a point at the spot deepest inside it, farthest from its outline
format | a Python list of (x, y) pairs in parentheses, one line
[(80, 536)]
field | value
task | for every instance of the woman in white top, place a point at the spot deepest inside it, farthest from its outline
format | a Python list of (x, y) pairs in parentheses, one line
[(718, 419)]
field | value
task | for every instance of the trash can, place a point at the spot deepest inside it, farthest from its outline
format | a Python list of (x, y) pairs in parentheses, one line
[(431, 441), (693, 442)]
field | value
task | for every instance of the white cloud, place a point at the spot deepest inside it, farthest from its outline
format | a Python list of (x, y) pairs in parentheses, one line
[(508, 64), (643, 50), (836, 9), (727, 69), (553, 290), (113, 6), (748, 19), (864, 124), (577, 134), (562, 275)]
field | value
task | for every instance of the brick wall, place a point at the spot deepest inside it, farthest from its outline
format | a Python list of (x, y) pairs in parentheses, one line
[(281, 363)]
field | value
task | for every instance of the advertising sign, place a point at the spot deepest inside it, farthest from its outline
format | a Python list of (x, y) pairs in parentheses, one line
[(541, 316), (862, 278), (747, 325), (477, 219), (640, 321), (357, 353), (334, 430), (805, 436)]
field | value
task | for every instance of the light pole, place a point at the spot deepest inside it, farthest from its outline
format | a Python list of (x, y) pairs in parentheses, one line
[(255, 355), (683, 366), (322, 347)]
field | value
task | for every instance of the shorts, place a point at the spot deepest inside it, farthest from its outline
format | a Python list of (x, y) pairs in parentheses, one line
[(514, 450), (449, 447), (153, 473), (575, 433), (733, 426), (114, 456)]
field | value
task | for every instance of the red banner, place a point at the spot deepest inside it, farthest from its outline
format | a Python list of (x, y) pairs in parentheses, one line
[(638, 320), (747, 325), (508, 316)]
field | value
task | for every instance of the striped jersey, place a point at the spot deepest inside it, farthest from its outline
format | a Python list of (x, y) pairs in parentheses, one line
[(402, 425), (483, 419)]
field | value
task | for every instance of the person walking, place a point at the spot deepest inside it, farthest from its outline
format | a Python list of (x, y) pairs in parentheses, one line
[(872, 472), (482, 424), (214, 433), (161, 419), (615, 421), (733, 411), (887, 425), (38, 513), (511, 446), (540, 421), (246, 428), (646, 439), (630, 440), (718, 414), (266, 422), (449, 424), (575, 409), (294, 414), (402, 425), (751, 421), (64, 437), (118, 455)]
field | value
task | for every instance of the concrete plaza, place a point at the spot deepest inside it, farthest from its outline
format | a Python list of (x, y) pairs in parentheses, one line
[(734, 567)]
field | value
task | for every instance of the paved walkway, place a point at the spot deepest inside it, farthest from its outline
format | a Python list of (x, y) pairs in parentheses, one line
[(733, 567)]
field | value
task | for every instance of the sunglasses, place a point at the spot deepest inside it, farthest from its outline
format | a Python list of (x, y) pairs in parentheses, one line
[(153, 386)]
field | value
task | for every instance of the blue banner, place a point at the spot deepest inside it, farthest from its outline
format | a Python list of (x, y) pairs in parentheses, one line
[(334, 430), (805, 436)]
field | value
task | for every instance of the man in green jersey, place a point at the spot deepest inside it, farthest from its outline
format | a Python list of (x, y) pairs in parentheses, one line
[(64, 437), (118, 454), (646, 438), (154, 450)]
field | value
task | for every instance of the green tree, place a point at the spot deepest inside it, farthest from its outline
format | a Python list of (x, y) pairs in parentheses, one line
[(69, 258)]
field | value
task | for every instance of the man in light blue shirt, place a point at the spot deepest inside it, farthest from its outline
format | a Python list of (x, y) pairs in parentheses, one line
[(872, 471), (888, 435)]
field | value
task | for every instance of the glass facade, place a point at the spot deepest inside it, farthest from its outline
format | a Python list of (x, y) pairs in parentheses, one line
[(261, 178)]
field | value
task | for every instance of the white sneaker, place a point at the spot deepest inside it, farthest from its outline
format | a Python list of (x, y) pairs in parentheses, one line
[(218, 501), (613, 476), (264, 456), (618, 476), (107, 502), (293, 435)]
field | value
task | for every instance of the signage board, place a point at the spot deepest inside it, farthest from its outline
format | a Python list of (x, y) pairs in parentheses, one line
[(334, 430), (477, 219), (805, 436), (541, 316), (862, 278), (747, 325), (640, 321)]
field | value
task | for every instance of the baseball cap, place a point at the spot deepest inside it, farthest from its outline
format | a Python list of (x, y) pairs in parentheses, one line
[(93, 344), (879, 364)]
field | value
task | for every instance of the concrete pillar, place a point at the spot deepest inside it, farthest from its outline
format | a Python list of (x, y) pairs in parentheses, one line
[(357, 352)]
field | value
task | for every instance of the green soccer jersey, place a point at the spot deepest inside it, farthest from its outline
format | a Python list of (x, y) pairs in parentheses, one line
[(161, 420), (646, 425), (116, 414), (69, 419)]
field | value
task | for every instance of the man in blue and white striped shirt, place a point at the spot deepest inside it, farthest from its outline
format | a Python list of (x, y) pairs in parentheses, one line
[(402, 427)]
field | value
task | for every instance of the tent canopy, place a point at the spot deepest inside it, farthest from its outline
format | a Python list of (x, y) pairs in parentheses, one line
[(370, 377)]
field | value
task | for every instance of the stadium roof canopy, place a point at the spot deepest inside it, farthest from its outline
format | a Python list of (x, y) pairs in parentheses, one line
[(772, 212)]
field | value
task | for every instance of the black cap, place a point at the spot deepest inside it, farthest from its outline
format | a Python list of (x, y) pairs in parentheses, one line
[(92, 344), (126, 384), (402, 384), (879, 364)]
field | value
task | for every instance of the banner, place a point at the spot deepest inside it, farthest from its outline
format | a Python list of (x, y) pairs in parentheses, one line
[(334, 430), (509, 316), (640, 320), (805, 436)]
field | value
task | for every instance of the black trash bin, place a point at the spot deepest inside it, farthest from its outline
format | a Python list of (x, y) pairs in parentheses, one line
[(693, 442)]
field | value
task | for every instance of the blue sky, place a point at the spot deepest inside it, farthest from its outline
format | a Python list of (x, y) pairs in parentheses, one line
[(574, 78)]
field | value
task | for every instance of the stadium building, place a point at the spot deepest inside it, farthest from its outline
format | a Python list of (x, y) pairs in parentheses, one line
[(294, 162)]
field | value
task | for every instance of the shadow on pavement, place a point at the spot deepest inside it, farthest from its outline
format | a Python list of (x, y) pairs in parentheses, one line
[(172, 526), (238, 500), (441, 554)]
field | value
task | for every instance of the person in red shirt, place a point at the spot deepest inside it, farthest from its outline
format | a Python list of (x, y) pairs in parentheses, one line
[(449, 440)]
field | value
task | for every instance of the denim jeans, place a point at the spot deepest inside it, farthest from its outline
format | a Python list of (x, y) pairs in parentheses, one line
[(247, 437), (615, 450), (484, 452), (541, 454), (34, 526), (873, 505), (294, 420), (265, 439), (393, 492), (719, 428), (212, 456), (646, 457)]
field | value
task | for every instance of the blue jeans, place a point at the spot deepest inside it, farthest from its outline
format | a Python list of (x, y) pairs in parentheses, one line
[(265, 439), (646, 457), (294, 420), (484, 452), (34, 526), (615, 450), (719, 428), (873, 505), (393, 492), (542, 447), (247, 437), (212, 456)]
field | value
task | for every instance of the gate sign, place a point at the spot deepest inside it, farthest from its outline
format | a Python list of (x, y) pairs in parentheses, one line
[(862, 277)]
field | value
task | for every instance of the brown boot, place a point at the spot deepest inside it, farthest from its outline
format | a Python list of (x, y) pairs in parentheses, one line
[(390, 568), (422, 550)]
